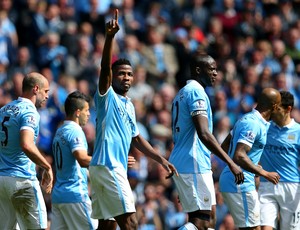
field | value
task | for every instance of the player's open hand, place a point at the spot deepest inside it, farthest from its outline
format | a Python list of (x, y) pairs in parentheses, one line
[(238, 173), (112, 27), (47, 180)]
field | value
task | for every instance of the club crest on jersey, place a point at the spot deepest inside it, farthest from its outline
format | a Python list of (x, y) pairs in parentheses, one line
[(201, 104), (291, 137), (250, 136)]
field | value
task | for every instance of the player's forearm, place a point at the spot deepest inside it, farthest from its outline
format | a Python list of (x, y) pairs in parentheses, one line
[(107, 51), (244, 161), (212, 144), (35, 156), (144, 146)]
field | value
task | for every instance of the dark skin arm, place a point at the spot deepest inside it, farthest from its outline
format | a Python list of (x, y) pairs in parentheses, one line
[(206, 137), (144, 146), (105, 79), (242, 159)]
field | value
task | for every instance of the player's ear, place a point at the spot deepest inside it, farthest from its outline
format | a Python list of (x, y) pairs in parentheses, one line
[(35, 89), (198, 70)]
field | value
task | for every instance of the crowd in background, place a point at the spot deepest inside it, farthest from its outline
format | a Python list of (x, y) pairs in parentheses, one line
[(256, 44)]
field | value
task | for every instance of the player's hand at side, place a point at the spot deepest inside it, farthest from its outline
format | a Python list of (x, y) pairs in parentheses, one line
[(272, 177), (112, 27), (238, 173), (131, 161), (47, 180), (171, 169)]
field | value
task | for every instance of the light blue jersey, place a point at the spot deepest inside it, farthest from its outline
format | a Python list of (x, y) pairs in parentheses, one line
[(251, 130), (189, 154), (115, 127), (71, 184), (18, 115), (282, 152)]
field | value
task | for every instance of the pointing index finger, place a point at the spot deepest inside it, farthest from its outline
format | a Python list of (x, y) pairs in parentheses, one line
[(116, 14)]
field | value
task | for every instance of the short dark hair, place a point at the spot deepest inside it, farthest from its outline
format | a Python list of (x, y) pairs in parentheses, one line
[(287, 99), (32, 79), (74, 101), (121, 61), (199, 60)]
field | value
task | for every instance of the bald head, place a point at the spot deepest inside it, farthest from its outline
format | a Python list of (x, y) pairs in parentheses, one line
[(31, 80), (268, 100)]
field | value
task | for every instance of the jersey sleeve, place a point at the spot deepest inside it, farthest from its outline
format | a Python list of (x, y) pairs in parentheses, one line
[(197, 103), (30, 120), (247, 130)]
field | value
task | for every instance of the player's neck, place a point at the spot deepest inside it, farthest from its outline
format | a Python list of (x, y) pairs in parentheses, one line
[(285, 121)]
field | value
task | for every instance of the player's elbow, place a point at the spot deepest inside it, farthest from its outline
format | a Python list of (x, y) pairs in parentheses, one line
[(26, 146), (238, 159)]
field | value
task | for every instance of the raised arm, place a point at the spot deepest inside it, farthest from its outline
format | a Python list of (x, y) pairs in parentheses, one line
[(105, 79), (208, 139)]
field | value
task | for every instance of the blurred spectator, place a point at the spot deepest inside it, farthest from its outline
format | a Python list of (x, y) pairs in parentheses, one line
[(134, 21), (287, 13), (199, 13), (16, 86), (161, 60), (131, 51), (168, 92), (94, 17), (67, 10), (24, 63), (7, 5), (54, 21), (140, 89), (38, 26), (89, 131), (228, 223), (221, 208), (220, 109), (273, 27), (234, 97), (147, 212), (273, 61), (174, 216), (82, 63), (69, 37), (53, 55), (8, 29), (293, 43), (229, 18)]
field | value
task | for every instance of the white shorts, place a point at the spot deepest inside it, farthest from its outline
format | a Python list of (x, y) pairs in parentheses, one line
[(111, 192), (283, 199), (244, 208), (73, 216), (22, 201), (196, 191)]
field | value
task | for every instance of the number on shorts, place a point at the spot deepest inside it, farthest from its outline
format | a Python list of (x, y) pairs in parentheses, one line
[(5, 130)]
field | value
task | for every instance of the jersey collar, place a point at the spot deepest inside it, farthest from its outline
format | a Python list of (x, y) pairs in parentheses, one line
[(260, 116), (25, 99)]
